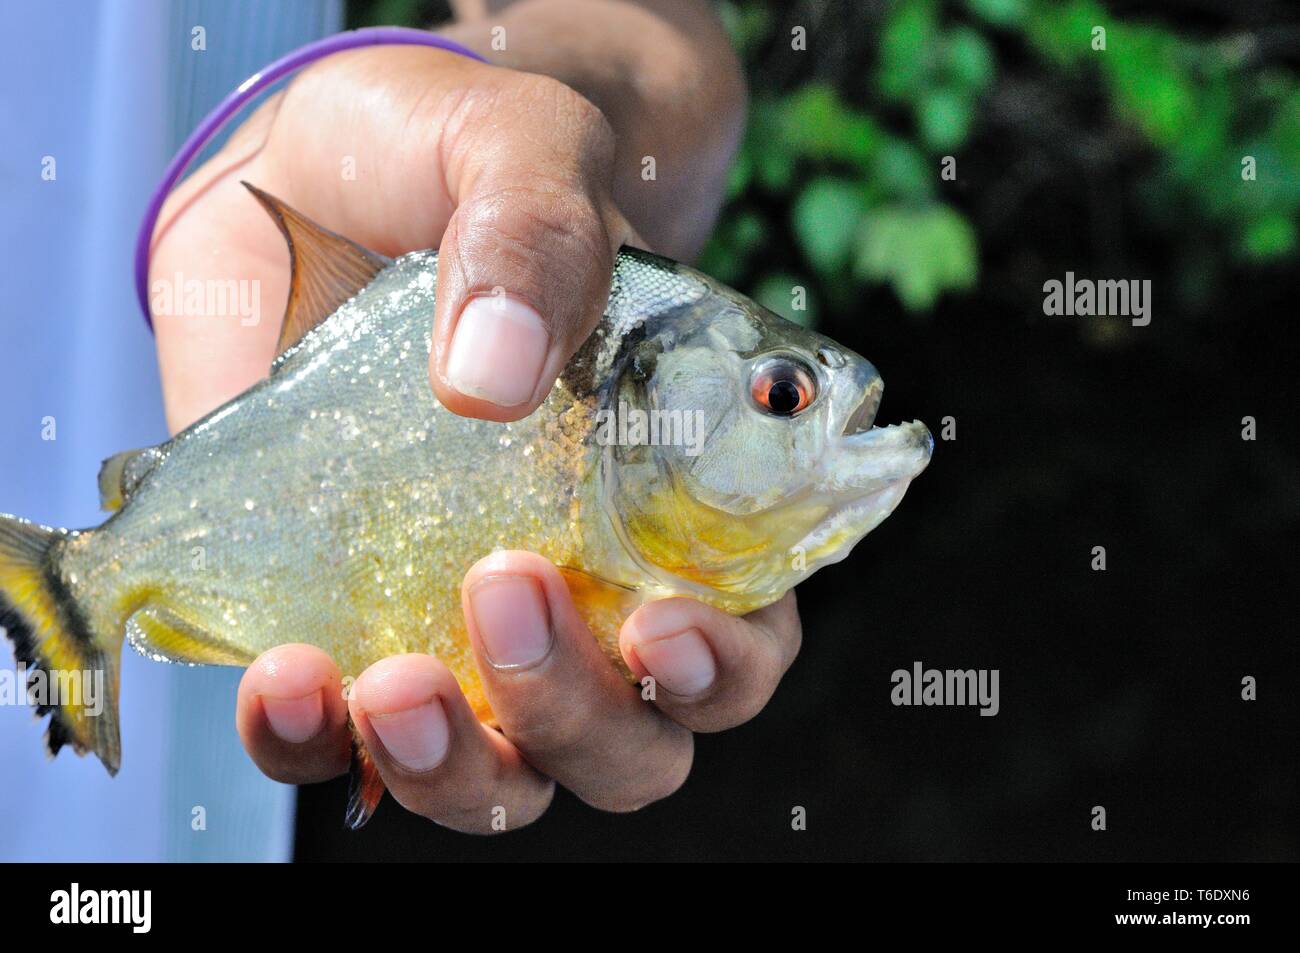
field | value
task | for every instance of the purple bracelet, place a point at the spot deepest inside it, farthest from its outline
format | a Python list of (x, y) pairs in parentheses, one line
[(213, 121)]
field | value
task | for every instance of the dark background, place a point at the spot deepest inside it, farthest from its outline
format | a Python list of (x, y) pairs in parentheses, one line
[(1119, 688)]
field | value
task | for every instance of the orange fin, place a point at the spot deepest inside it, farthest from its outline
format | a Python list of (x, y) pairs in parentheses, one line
[(365, 786), (328, 269), (604, 606)]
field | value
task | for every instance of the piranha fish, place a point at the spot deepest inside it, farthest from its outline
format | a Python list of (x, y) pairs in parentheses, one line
[(337, 502)]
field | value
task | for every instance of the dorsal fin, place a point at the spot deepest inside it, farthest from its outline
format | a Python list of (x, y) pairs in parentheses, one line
[(121, 473), (328, 269)]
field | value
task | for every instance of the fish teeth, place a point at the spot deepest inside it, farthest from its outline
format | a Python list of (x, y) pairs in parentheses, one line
[(905, 423)]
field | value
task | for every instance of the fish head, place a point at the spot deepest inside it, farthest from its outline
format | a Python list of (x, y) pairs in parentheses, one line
[(774, 467)]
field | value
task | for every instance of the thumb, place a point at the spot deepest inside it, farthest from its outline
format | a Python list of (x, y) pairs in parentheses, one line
[(523, 276)]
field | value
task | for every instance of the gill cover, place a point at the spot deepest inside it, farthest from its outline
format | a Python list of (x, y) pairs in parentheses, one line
[(707, 506)]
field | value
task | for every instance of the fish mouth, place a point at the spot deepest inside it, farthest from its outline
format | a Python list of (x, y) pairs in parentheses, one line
[(869, 470), (883, 454), (872, 456), (872, 461), (864, 415)]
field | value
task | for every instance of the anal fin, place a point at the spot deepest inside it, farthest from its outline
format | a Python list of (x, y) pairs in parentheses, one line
[(365, 786), (158, 632)]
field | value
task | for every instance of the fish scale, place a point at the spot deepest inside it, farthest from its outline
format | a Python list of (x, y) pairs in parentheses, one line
[(381, 510)]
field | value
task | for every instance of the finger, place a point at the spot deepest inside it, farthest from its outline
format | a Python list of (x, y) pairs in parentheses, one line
[(524, 266), (556, 695), (436, 758), (291, 715), (712, 670)]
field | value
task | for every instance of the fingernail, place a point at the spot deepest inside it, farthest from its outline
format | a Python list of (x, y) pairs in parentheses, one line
[(513, 620), (681, 663), (417, 738), (295, 720), (497, 350)]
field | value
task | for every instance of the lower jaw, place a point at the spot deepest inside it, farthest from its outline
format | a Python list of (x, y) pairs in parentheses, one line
[(847, 523)]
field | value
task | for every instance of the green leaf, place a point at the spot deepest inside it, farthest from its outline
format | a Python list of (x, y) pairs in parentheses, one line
[(777, 292), (747, 232), (739, 235), (1148, 82), (720, 261), (1270, 237), (826, 217), (765, 144), (391, 13), (817, 124), (1063, 31), (902, 171), (906, 48), (747, 25), (1004, 13), (968, 59), (943, 117), (920, 252), (740, 174)]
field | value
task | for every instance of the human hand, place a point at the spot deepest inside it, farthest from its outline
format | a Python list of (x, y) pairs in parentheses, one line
[(566, 715), (510, 175), (400, 148)]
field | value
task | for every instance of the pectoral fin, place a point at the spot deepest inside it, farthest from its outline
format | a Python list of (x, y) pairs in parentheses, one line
[(328, 269), (160, 633)]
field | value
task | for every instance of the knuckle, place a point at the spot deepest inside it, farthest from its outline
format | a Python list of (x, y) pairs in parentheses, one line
[(282, 773), (549, 241), (790, 642), (486, 815), (483, 802), (538, 730), (544, 218), (656, 780), (566, 110), (465, 108), (748, 704), (414, 799), (769, 667), (296, 769)]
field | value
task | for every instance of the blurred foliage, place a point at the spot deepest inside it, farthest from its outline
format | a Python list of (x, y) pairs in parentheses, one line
[(843, 155), (837, 190)]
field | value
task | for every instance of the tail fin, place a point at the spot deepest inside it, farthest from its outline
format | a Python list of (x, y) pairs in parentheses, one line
[(69, 676)]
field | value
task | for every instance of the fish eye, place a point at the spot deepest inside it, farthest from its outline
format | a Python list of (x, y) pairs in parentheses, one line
[(783, 386)]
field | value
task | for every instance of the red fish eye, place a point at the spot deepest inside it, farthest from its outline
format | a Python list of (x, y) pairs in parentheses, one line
[(783, 388)]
